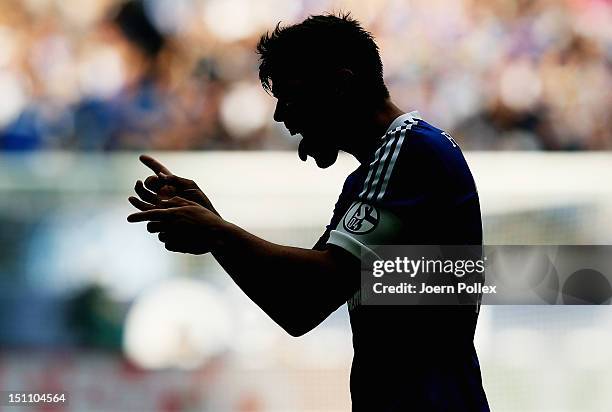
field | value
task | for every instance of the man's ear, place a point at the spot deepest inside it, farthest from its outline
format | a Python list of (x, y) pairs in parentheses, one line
[(345, 79)]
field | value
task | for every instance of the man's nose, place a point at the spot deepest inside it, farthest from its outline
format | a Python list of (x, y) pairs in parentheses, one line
[(279, 112)]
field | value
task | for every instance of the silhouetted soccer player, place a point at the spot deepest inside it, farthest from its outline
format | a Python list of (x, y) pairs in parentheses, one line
[(413, 186)]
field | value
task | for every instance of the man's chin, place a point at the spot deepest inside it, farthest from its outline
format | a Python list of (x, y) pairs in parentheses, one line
[(326, 161), (324, 158)]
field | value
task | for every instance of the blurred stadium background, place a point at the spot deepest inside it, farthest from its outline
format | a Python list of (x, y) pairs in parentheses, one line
[(95, 307)]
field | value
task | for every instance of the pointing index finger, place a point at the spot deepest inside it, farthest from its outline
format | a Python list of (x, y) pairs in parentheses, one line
[(153, 214), (154, 165)]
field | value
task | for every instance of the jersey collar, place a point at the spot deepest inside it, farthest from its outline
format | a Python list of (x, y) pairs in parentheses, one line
[(402, 118)]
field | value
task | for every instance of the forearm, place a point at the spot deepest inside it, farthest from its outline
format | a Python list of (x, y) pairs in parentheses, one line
[(288, 283)]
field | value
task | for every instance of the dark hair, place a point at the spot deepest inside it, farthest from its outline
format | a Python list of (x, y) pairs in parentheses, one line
[(319, 44)]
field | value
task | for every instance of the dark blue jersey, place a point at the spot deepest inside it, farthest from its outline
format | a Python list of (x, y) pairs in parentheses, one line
[(415, 189)]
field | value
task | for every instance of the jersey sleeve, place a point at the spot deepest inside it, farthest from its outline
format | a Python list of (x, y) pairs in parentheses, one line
[(362, 226), (343, 202)]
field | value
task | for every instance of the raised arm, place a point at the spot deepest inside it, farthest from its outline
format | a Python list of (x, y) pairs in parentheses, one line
[(298, 288)]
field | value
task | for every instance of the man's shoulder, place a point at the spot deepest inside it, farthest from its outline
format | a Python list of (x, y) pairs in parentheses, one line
[(415, 141), (424, 140), (411, 153)]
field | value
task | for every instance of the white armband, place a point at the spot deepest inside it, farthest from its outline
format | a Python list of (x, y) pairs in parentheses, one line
[(363, 225)]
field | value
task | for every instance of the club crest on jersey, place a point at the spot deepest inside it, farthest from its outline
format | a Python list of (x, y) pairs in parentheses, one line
[(361, 218)]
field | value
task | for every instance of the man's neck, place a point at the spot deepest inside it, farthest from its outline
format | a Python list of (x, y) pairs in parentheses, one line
[(369, 137)]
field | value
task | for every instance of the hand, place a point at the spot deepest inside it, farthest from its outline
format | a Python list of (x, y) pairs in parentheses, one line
[(183, 225), (165, 185)]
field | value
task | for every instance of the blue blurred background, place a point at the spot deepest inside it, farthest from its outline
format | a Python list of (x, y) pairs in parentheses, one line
[(95, 307), (182, 75)]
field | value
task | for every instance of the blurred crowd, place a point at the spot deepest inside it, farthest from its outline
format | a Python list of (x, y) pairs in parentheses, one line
[(106, 75)]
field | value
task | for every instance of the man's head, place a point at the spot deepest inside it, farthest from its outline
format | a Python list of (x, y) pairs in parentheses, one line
[(325, 73)]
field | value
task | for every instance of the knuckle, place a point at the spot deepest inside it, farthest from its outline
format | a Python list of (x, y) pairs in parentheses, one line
[(150, 179), (187, 183)]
